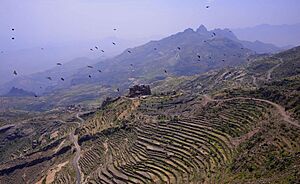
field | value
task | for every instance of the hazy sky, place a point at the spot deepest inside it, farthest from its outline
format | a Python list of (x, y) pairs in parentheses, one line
[(39, 22)]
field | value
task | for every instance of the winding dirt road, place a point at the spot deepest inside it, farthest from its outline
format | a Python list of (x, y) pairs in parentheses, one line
[(74, 139)]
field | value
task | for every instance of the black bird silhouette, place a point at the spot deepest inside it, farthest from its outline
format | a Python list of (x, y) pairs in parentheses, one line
[(102, 50), (35, 96), (90, 66), (15, 72), (99, 71), (115, 29), (62, 79), (129, 51), (214, 34), (118, 89), (155, 48), (207, 6), (90, 76), (114, 43), (59, 64), (49, 78), (91, 50), (96, 47), (166, 71), (13, 38), (12, 29), (199, 56), (131, 64), (178, 48)]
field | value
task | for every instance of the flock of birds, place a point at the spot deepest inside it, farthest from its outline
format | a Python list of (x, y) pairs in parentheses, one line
[(114, 43)]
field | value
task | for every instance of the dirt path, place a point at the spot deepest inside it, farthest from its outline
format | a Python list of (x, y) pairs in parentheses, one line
[(269, 72), (74, 139), (80, 119), (286, 117)]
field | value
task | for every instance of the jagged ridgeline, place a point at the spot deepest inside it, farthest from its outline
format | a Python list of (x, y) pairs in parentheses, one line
[(232, 125)]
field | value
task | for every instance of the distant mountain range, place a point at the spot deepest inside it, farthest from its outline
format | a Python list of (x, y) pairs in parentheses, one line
[(280, 35), (186, 53)]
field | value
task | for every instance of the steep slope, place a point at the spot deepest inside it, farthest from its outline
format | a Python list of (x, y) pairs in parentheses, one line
[(186, 53)]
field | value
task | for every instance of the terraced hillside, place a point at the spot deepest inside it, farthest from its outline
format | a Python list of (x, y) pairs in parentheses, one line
[(234, 125), (169, 140)]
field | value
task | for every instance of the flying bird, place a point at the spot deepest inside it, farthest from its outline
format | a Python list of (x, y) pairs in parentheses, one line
[(155, 48), (102, 50), (90, 76), (118, 89), (207, 6), (90, 66), (178, 48), (62, 79), (114, 43), (115, 29), (13, 38), (49, 78), (12, 29), (59, 64), (96, 47), (15, 72), (129, 51), (99, 71), (165, 71), (199, 56), (91, 50), (35, 96)]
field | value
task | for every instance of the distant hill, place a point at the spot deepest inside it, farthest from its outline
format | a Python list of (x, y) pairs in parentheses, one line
[(16, 92), (280, 35), (38, 82)]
